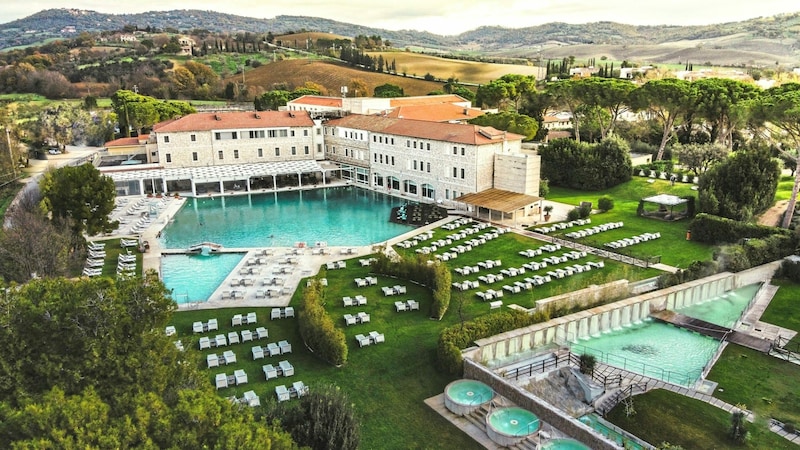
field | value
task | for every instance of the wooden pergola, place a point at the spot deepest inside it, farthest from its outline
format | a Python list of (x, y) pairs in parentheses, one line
[(504, 202)]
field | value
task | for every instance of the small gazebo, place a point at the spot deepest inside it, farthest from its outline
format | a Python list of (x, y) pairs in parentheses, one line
[(664, 207)]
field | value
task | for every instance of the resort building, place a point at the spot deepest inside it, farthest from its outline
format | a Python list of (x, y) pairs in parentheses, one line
[(434, 108), (421, 160)]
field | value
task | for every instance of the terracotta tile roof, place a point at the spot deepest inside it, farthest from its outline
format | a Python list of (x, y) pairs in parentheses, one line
[(318, 100), (127, 141), (444, 112), (236, 120), (437, 131), (425, 100)]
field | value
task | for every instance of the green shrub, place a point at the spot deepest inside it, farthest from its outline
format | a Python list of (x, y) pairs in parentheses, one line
[(435, 276), (710, 229), (317, 328), (574, 214), (605, 203), (790, 268)]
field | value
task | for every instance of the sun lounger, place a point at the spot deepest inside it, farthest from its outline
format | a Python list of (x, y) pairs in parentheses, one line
[(251, 318), (363, 317), (212, 360), (275, 314), (286, 368), (413, 305), (221, 380), (212, 325), (251, 399), (258, 352), (233, 338), (300, 388), (205, 343), (288, 311), (349, 319), (362, 340), (236, 320), (347, 301), (241, 376), (282, 393), (262, 333), (273, 349), (229, 357), (197, 327), (220, 341), (400, 306), (270, 371), (247, 336), (170, 330), (285, 347)]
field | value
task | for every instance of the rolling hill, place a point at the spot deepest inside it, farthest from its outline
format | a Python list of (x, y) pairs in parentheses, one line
[(763, 40)]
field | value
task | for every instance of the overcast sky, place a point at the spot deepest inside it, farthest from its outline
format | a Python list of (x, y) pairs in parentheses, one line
[(440, 17)]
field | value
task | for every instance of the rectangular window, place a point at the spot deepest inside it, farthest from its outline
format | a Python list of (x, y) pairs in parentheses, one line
[(305, 149), (374, 138), (415, 164), (169, 158), (261, 153), (462, 174), (294, 150), (392, 160), (428, 146), (381, 159), (283, 133), (194, 156), (455, 150), (272, 133), (415, 144), (277, 151), (429, 167), (218, 136), (305, 132), (193, 137), (447, 194), (234, 135), (292, 133), (462, 151), (319, 131), (374, 157), (392, 141), (220, 155), (319, 148), (256, 134), (408, 143), (235, 154), (166, 139), (455, 172)]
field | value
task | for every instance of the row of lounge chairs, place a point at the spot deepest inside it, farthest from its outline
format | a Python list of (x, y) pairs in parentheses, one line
[(204, 327), (336, 265), (282, 313), (366, 281), (96, 259), (361, 317), (227, 357), (223, 380), (408, 305), (415, 240), (594, 230), (358, 300), (298, 389), (625, 242), (249, 398), (239, 319), (458, 223), (393, 290), (372, 338), (284, 368), (562, 226), (271, 349), (530, 253)]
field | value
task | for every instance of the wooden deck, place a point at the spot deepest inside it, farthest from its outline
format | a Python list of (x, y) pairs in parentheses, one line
[(715, 331)]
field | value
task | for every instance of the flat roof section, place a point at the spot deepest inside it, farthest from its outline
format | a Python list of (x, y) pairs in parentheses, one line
[(227, 172), (499, 200)]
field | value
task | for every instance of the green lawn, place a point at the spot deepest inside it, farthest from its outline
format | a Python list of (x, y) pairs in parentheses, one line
[(672, 249), (783, 309), (767, 385), (387, 383), (664, 416)]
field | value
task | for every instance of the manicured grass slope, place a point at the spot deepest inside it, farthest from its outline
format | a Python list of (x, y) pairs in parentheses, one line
[(663, 416)]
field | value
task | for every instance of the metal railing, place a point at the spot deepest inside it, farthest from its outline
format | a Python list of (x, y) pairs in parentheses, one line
[(670, 376)]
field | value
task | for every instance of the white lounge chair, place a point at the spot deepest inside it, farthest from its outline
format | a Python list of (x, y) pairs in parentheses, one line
[(275, 314), (258, 352), (233, 337), (251, 399), (241, 376), (273, 349), (205, 343), (262, 333), (251, 318), (270, 371), (220, 341), (247, 336), (197, 327), (300, 388), (212, 325), (287, 369), (236, 320), (285, 347), (170, 330), (288, 311), (362, 340), (282, 393), (229, 357), (221, 380), (212, 360), (349, 319)]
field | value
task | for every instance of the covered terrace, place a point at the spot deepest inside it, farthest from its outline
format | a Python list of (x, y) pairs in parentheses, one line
[(219, 179), (502, 206)]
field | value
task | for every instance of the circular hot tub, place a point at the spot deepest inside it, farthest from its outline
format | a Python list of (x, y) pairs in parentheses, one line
[(563, 444), (510, 426), (464, 396)]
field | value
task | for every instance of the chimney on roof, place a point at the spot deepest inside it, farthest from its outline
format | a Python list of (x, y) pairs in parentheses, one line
[(466, 112), (257, 116), (217, 117), (291, 114)]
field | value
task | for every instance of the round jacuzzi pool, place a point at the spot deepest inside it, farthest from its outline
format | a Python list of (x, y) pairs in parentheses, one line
[(563, 444), (464, 396), (509, 426)]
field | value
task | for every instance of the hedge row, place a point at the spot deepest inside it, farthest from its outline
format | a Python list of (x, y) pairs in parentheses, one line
[(452, 339), (435, 276), (317, 328), (754, 252), (711, 229)]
